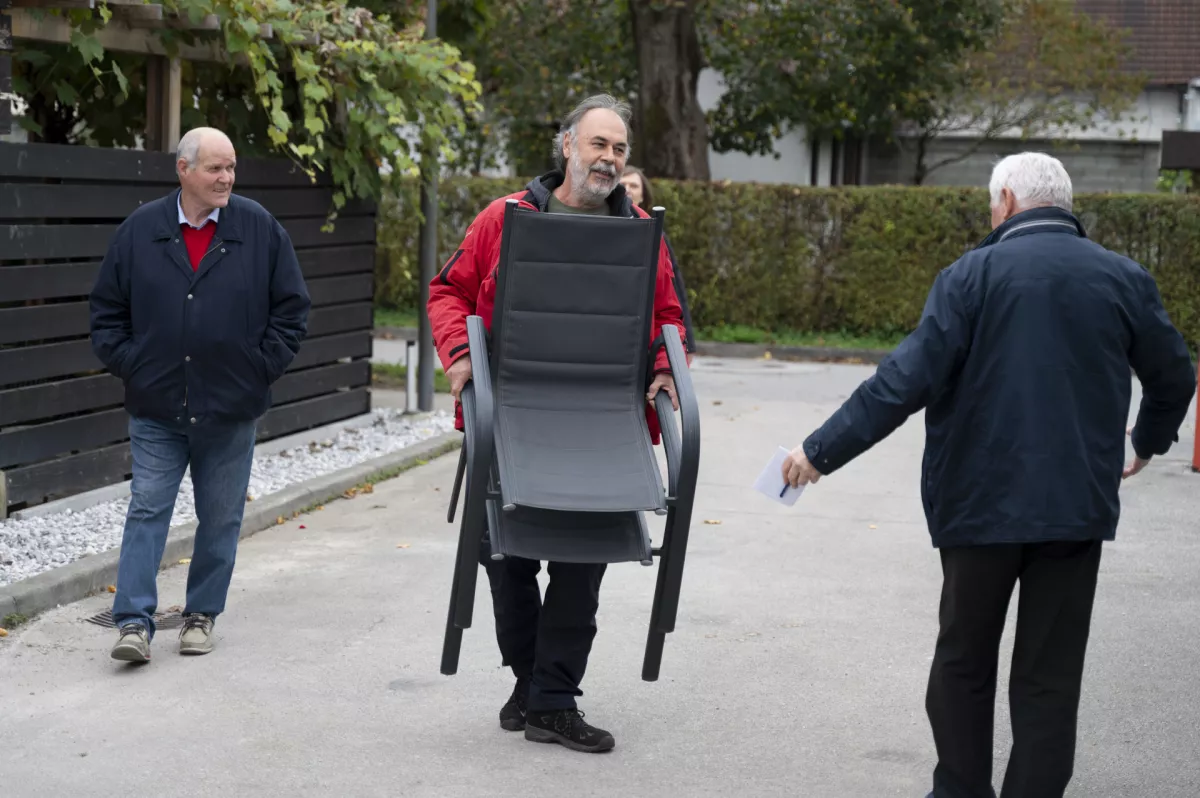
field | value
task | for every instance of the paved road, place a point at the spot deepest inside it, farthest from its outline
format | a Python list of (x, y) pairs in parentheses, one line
[(798, 667)]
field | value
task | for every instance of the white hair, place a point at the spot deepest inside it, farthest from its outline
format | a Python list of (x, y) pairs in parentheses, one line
[(189, 146), (1035, 179), (570, 124)]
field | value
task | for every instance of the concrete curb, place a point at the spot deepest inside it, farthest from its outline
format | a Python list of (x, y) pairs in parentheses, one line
[(91, 574), (820, 354)]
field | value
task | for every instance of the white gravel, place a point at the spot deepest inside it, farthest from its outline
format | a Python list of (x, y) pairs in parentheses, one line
[(33, 545)]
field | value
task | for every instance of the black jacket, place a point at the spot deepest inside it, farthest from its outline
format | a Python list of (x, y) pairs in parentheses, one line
[(215, 338), (1022, 360)]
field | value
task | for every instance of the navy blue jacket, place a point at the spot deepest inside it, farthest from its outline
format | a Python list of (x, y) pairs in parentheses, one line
[(214, 339), (1022, 360)]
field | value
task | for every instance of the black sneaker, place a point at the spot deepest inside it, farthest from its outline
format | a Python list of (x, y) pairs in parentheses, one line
[(512, 714), (567, 727)]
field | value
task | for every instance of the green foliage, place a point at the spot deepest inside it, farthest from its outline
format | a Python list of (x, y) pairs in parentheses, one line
[(835, 67), (332, 87), (1175, 180), (535, 59), (851, 262), (1052, 68)]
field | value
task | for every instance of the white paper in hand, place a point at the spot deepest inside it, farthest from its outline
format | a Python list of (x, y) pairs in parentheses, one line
[(771, 483)]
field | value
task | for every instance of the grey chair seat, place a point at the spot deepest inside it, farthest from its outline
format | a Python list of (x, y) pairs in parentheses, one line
[(559, 536), (597, 461)]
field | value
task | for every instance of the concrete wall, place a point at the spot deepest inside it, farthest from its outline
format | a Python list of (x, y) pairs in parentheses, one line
[(1094, 166)]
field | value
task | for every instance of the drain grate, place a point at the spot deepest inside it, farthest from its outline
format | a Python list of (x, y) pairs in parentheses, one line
[(162, 620)]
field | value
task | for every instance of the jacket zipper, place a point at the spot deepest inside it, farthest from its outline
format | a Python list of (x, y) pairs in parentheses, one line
[(216, 243)]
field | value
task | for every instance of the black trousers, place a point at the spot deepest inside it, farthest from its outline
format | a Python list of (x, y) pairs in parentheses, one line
[(547, 641), (1058, 585)]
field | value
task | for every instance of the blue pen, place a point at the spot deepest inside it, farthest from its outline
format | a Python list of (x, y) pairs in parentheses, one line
[(785, 487)]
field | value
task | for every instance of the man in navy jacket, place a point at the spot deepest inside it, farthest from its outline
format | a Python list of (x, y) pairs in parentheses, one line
[(1022, 363), (198, 308)]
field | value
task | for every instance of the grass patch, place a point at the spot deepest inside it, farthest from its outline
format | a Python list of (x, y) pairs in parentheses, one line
[(724, 333), (742, 334), (394, 375), (13, 620), (396, 317)]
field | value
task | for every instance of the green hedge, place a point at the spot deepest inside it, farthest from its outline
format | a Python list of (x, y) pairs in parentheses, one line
[(854, 260)]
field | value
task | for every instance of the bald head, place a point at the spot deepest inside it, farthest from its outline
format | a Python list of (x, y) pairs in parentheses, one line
[(196, 139), (205, 161)]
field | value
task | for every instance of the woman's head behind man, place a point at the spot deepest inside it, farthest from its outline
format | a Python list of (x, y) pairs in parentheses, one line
[(637, 187)]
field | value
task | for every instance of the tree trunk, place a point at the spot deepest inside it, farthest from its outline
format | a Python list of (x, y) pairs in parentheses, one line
[(920, 171), (673, 138)]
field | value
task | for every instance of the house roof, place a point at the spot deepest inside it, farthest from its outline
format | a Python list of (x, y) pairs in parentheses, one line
[(1164, 35)]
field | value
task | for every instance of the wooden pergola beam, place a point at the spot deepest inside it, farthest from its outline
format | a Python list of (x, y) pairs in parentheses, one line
[(116, 36)]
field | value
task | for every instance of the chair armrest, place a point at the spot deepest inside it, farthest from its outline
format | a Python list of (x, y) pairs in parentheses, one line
[(478, 403), (682, 443)]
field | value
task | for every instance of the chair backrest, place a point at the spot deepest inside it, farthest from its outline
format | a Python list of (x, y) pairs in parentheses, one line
[(574, 307)]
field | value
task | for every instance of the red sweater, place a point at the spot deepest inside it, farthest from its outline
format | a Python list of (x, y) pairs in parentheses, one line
[(198, 240)]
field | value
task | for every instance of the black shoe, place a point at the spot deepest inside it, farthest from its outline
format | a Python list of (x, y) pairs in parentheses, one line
[(512, 714), (567, 727)]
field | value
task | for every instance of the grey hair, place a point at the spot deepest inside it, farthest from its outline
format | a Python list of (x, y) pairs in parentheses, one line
[(571, 122), (1035, 180), (189, 146)]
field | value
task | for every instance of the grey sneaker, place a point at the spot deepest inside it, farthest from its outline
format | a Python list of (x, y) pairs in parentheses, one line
[(134, 645), (196, 635)]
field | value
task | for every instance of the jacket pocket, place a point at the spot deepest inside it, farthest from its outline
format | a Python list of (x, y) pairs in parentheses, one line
[(130, 361)]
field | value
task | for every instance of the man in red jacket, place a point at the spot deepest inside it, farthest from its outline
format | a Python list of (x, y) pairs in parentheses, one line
[(547, 645)]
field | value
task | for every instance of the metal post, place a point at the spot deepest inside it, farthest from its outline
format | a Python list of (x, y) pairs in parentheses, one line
[(3, 496), (410, 378), (428, 252), (5, 77), (1196, 449)]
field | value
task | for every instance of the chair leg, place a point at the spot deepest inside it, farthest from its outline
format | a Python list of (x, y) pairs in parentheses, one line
[(467, 567), (657, 635), (654, 651), (452, 643), (458, 478)]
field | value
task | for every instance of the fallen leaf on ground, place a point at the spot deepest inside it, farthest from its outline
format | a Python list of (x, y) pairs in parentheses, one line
[(766, 356), (302, 526), (185, 560), (3, 633), (873, 526), (712, 522), (112, 588), (717, 402), (249, 497), (320, 507), (403, 545), (279, 520), (368, 488)]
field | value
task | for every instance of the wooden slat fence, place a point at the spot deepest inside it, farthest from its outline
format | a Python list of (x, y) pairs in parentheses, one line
[(62, 427)]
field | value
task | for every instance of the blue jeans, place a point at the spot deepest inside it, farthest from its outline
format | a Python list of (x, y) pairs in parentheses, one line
[(220, 456)]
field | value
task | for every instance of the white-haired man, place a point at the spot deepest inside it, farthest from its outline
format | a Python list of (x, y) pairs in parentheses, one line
[(1022, 362), (199, 307)]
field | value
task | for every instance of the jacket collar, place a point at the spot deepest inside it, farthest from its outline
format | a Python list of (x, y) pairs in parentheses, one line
[(539, 189), (1035, 220), (229, 226)]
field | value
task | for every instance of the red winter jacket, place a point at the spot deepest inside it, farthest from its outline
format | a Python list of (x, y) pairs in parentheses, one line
[(466, 285)]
